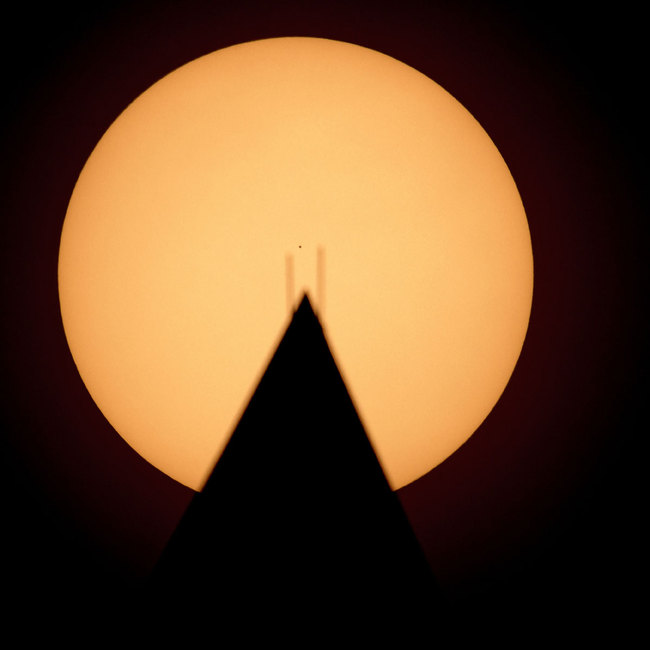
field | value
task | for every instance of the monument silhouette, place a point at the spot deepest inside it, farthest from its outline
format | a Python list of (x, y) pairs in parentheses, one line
[(297, 515)]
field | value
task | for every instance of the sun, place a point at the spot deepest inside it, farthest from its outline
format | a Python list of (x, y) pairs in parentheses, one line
[(172, 257)]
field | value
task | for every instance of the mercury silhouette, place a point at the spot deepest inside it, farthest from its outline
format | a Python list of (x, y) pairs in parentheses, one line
[(171, 259)]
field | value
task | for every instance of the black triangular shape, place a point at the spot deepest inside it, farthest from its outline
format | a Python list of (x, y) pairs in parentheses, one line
[(297, 514)]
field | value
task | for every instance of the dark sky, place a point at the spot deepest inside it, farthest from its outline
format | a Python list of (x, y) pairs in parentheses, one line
[(542, 505)]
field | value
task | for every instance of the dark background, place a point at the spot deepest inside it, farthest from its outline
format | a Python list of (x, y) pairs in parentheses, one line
[(540, 512)]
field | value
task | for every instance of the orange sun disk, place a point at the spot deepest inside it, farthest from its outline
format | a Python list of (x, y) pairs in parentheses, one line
[(171, 266)]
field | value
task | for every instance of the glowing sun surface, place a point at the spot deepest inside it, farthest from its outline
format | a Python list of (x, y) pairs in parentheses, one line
[(172, 259)]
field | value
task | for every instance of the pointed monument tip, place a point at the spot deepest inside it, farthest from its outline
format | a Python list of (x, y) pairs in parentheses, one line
[(305, 311), (305, 303)]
